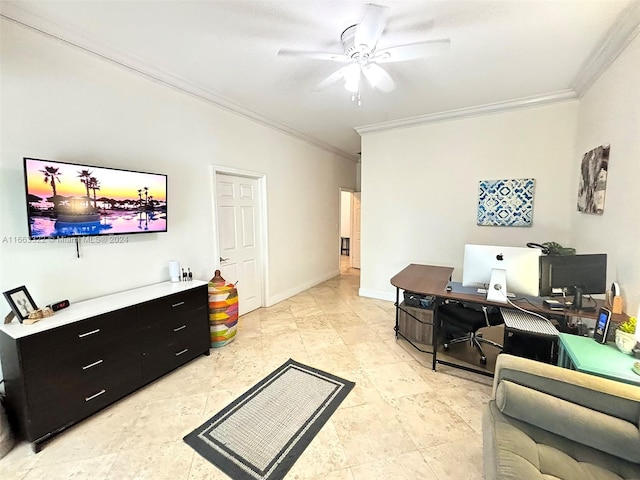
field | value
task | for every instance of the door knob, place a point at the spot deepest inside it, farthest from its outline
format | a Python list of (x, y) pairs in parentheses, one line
[(223, 259)]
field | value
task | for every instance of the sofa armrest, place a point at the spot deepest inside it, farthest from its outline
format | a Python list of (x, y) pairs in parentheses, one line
[(612, 398)]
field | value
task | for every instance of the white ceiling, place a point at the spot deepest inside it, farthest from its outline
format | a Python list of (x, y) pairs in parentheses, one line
[(503, 53)]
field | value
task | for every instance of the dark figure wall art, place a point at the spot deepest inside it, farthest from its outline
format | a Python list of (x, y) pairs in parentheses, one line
[(593, 180)]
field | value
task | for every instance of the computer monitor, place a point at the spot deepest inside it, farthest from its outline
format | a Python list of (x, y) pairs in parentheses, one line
[(574, 275), (500, 269)]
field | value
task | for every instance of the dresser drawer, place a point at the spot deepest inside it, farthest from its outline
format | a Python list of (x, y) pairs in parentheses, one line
[(50, 347), (61, 379), (62, 407), (173, 306), (175, 351), (166, 332)]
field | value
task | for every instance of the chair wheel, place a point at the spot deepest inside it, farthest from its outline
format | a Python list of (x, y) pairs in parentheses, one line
[(483, 360)]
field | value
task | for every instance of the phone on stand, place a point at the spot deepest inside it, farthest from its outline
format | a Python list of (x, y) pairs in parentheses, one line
[(603, 322)]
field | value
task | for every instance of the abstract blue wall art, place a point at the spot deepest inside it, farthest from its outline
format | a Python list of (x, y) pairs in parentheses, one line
[(506, 203)]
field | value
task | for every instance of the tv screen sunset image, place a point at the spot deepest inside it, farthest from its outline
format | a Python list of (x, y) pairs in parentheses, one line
[(68, 200)]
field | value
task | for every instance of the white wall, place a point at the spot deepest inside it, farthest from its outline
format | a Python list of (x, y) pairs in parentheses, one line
[(420, 187), (345, 214), (64, 104), (610, 113)]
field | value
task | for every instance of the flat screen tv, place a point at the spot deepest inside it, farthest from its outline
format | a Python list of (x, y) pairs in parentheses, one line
[(77, 200)]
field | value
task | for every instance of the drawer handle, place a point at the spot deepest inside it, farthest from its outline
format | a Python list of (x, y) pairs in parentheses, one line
[(177, 304), (94, 396), (179, 328), (92, 364), (89, 333), (181, 352)]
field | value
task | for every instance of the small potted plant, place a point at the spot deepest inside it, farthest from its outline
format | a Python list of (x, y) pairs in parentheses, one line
[(625, 336)]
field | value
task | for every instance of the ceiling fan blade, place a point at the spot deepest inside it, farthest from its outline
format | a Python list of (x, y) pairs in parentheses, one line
[(331, 79), (333, 57), (369, 30), (411, 51), (378, 77)]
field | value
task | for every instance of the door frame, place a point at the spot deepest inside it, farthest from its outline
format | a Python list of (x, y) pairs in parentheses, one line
[(261, 179), (340, 190)]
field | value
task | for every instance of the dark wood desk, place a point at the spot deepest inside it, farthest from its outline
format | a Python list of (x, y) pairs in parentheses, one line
[(433, 280)]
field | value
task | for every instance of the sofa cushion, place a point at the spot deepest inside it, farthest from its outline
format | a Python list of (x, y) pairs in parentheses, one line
[(515, 450), (598, 430)]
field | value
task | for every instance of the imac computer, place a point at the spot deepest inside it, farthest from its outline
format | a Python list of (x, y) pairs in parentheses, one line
[(574, 275), (502, 271)]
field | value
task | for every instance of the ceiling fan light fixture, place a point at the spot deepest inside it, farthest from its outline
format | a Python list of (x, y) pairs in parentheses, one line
[(373, 75), (351, 76)]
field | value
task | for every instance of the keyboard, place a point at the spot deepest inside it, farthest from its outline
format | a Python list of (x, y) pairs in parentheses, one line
[(509, 295), (527, 322)]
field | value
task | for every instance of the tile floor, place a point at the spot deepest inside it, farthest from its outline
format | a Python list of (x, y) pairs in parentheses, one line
[(401, 421)]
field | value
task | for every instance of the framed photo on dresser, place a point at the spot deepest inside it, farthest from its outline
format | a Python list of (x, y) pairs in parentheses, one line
[(20, 302)]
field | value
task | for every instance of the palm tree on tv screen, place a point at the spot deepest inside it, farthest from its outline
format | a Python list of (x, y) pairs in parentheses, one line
[(94, 184), (146, 197), (85, 175), (51, 176)]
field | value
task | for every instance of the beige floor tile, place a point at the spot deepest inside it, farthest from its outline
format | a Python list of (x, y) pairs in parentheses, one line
[(457, 460), (370, 354), (166, 420), (337, 475), (167, 461), (306, 310), (364, 391), (367, 435), (315, 339), (15, 464), (314, 322), (428, 421), (202, 469), (411, 465), (285, 342), (101, 434), (95, 468), (324, 454), (397, 380), (333, 358), (358, 334), (334, 307), (276, 359)]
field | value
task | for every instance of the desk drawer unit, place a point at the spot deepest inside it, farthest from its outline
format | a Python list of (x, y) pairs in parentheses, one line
[(416, 323)]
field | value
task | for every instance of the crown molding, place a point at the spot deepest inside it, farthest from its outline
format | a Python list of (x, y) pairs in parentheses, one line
[(65, 35), (621, 33), (489, 108)]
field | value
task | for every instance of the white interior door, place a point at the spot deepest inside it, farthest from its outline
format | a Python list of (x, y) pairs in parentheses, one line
[(239, 220), (355, 232)]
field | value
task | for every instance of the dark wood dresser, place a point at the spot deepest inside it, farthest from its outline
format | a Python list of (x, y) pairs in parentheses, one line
[(67, 367)]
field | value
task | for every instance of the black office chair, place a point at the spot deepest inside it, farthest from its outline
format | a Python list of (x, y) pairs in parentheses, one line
[(462, 321)]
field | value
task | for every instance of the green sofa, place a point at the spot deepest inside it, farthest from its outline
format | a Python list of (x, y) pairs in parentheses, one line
[(545, 422)]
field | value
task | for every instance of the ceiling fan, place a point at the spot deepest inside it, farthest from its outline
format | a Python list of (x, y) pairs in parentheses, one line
[(363, 56)]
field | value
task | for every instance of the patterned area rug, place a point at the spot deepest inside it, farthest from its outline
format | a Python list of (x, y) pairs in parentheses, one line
[(261, 434)]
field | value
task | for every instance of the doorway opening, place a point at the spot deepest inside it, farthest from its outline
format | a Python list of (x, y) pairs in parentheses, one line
[(349, 238)]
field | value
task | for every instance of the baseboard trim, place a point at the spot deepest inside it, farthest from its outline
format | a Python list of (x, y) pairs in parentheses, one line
[(301, 288), (363, 292)]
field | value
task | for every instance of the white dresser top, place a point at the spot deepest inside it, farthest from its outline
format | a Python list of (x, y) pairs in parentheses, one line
[(97, 306)]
